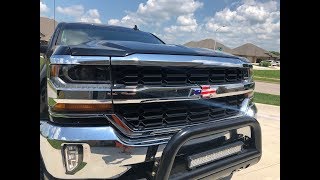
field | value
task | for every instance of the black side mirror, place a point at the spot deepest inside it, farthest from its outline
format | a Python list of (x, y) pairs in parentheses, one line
[(43, 48)]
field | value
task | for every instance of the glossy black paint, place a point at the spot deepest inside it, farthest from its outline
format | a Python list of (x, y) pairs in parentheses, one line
[(124, 48)]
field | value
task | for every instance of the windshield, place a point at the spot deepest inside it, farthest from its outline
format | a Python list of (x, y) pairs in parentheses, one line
[(76, 36)]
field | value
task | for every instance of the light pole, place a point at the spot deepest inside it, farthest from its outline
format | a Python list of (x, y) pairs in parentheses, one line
[(215, 40)]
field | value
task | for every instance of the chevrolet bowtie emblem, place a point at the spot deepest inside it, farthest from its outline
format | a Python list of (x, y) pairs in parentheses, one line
[(205, 91)]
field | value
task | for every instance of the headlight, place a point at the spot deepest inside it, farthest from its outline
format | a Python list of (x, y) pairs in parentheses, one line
[(79, 88), (248, 72), (93, 74)]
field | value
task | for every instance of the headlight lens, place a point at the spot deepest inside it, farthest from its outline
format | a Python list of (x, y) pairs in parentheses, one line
[(93, 74), (83, 83), (248, 72)]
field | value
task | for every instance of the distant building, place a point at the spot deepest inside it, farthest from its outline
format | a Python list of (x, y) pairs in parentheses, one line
[(42, 36), (47, 27), (209, 43), (253, 53), (250, 51)]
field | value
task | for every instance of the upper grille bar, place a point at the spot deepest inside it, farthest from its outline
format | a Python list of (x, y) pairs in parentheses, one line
[(176, 76)]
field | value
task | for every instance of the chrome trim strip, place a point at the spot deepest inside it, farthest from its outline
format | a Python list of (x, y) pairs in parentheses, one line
[(68, 59), (119, 88), (176, 60), (221, 91), (127, 101), (83, 101), (102, 133), (75, 115)]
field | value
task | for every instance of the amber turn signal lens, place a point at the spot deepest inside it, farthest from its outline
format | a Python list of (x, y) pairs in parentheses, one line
[(81, 107), (54, 71), (119, 122)]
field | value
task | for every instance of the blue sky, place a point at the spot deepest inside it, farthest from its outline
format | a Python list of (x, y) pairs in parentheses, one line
[(180, 21)]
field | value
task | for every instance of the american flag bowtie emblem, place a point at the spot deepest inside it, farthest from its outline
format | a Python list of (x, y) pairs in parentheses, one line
[(205, 91)]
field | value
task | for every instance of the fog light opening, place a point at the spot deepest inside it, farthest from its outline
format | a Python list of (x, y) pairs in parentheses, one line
[(73, 156)]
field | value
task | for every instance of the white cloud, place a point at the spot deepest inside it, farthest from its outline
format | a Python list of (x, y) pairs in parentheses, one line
[(174, 21), (43, 8), (246, 21), (78, 12), (185, 23), (91, 16), (74, 10), (164, 9), (249, 21), (186, 20), (128, 21), (113, 21), (156, 12)]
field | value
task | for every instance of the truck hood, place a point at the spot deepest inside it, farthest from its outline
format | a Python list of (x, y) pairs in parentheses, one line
[(125, 48)]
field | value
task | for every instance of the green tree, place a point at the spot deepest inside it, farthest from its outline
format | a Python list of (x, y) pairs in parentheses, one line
[(275, 53)]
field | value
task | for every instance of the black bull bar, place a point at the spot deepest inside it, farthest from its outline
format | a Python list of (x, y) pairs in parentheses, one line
[(219, 168)]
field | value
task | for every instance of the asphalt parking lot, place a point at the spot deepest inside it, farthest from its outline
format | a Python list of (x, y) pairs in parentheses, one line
[(268, 167)]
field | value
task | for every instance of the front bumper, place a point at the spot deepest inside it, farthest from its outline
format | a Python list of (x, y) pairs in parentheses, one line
[(107, 154)]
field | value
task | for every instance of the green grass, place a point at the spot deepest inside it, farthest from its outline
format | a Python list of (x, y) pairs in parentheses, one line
[(41, 62), (267, 98), (272, 76), (262, 79), (55, 144)]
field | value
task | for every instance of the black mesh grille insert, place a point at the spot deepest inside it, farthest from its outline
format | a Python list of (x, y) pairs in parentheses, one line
[(171, 76), (165, 114)]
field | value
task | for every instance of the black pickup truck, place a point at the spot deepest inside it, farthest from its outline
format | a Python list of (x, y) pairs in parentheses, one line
[(119, 103)]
